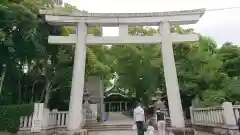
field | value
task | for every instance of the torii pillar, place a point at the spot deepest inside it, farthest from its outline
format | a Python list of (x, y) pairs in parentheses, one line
[(123, 20), (170, 75), (76, 97)]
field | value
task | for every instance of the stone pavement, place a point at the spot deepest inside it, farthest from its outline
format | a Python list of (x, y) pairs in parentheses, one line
[(130, 132), (118, 119)]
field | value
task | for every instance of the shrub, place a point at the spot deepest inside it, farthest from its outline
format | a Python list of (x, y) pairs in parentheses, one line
[(10, 116)]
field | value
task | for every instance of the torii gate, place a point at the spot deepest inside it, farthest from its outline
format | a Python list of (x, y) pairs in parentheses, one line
[(123, 20)]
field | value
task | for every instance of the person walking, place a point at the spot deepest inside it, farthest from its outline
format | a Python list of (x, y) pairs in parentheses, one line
[(160, 122), (139, 119)]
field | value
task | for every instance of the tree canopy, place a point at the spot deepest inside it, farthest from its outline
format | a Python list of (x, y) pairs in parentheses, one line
[(35, 71)]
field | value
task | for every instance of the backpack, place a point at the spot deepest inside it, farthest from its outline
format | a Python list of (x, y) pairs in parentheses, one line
[(160, 116)]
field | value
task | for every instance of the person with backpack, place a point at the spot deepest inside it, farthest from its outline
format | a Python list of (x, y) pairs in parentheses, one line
[(160, 122)]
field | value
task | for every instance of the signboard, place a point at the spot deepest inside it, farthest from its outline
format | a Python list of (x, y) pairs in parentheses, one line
[(37, 117)]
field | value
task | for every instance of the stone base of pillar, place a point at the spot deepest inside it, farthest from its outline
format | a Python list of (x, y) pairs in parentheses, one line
[(179, 131), (76, 132)]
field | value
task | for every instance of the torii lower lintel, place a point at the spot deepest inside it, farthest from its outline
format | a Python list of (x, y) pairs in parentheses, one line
[(92, 40)]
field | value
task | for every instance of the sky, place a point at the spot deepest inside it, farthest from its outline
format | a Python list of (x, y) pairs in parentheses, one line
[(222, 25)]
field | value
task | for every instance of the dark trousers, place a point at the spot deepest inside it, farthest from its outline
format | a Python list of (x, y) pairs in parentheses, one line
[(140, 127)]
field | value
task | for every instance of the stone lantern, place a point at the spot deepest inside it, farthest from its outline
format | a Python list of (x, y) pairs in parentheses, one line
[(157, 100), (159, 104)]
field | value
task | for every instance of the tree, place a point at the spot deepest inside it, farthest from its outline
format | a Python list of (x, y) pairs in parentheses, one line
[(229, 54), (35, 67), (37, 71), (137, 66)]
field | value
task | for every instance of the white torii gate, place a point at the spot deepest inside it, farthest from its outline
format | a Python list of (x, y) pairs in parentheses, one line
[(123, 20)]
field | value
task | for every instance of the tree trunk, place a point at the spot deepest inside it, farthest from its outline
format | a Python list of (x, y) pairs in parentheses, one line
[(47, 91), (44, 90), (33, 86), (2, 79), (46, 99), (24, 96), (19, 91)]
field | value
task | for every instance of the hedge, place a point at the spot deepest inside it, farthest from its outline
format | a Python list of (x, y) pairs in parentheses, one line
[(10, 116)]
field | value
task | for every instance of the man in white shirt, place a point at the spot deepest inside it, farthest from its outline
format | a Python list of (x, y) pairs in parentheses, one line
[(139, 118)]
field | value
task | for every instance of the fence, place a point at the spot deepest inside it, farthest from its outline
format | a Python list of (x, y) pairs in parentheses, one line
[(49, 121), (211, 115), (55, 119), (26, 122), (58, 119), (236, 111), (219, 119)]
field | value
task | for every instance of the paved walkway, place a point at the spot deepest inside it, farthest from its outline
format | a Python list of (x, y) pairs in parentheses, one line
[(127, 133), (118, 119)]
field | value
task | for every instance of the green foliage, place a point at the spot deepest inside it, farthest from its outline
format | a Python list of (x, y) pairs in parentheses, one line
[(212, 98), (229, 54), (10, 116), (201, 69), (37, 71)]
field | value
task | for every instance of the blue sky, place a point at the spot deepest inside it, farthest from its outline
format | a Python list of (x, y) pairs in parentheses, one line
[(221, 25)]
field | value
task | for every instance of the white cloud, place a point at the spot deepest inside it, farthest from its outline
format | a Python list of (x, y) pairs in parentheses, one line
[(221, 25)]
